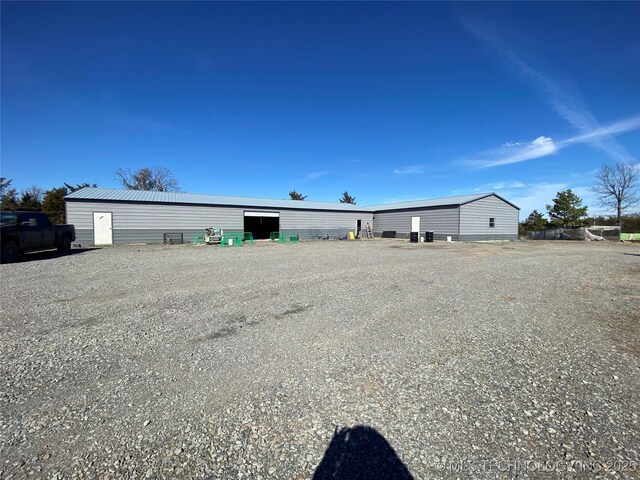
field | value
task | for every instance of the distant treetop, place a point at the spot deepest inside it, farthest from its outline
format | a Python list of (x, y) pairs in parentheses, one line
[(158, 179)]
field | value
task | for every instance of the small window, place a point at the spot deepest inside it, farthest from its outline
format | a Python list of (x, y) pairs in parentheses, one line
[(492, 222)]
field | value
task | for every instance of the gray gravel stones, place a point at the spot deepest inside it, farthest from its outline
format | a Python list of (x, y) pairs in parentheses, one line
[(470, 360)]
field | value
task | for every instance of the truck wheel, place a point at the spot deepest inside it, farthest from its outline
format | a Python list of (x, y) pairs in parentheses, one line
[(10, 251), (65, 244)]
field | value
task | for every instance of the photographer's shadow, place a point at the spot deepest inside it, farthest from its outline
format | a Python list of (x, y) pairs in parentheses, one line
[(360, 453)]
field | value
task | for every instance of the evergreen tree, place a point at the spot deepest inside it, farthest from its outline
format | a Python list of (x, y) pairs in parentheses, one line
[(535, 221), (8, 196), (346, 198), (31, 199), (296, 196), (53, 205), (79, 186), (567, 210)]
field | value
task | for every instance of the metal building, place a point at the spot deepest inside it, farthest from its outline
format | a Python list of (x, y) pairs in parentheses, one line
[(485, 216), (108, 216)]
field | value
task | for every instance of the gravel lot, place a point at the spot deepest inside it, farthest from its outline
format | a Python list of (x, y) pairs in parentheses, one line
[(444, 360)]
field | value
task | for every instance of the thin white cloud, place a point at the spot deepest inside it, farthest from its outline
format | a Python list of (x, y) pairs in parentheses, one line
[(493, 187), (564, 104), (540, 147), (314, 175), (511, 144), (616, 128), (544, 146), (507, 185), (411, 169)]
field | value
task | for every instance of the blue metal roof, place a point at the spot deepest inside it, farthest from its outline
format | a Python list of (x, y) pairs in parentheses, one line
[(115, 195)]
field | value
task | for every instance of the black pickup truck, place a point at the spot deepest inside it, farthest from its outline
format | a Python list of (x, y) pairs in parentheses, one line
[(28, 231)]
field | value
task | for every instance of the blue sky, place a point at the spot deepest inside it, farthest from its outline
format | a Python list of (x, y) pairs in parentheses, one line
[(391, 101)]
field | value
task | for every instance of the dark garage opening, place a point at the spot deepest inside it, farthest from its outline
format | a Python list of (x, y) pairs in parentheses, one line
[(261, 227)]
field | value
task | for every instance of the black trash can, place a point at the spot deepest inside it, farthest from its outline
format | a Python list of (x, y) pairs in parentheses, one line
[(428, 237), (413, 238)]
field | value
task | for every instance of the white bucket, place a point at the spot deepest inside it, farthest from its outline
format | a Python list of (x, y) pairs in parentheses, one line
[(448, 239), (231, 241)]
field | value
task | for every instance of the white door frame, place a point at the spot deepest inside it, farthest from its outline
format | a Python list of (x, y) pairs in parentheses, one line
[(109, 236), (415, 224), (259, 213)]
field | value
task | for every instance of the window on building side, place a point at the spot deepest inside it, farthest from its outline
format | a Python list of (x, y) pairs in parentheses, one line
[(492, 222)]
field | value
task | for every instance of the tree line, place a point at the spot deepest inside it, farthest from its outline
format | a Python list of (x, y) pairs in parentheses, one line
[(51, 202), (615, 185), (35, 199)]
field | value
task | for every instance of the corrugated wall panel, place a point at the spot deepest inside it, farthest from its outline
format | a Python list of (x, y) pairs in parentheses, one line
[(474, 220), (145, 223), (158, 217), (125, 235), (314, 224), (84, 236), (442, 221), (292, 219)]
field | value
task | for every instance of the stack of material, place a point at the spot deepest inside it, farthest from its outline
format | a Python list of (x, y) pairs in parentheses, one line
[(577, 233), (592, 237)]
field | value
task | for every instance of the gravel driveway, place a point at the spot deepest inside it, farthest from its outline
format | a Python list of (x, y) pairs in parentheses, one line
[(375, 359)]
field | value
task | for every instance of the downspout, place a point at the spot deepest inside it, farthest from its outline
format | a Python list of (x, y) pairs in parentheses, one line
[(459, 207)]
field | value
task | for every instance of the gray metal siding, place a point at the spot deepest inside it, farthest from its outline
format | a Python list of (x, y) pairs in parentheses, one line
[(443, 221), (314, 224), (474, 220), (296, 219), (146, 223), (84, 236), (159, 217)]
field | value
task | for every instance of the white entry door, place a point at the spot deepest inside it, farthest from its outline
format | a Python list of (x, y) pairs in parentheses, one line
[(102, 228), (415, 224)]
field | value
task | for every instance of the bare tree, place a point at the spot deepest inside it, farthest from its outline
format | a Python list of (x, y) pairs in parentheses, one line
[(159, 179), (616, 186)]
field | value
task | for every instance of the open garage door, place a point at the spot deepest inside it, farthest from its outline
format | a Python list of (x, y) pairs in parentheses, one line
[(261, 224)]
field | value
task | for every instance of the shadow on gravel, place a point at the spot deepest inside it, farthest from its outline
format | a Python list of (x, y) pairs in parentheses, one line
[(360, 453), (51, 254)]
